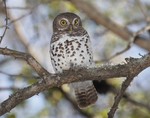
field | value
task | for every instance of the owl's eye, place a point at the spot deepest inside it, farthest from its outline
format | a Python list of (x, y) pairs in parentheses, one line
[(63, 22), (76, 22)]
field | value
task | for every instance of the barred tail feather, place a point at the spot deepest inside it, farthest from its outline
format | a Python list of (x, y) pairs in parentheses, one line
[(85, 93)]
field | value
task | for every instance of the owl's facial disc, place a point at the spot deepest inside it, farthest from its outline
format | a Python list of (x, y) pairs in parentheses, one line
[(67, 24)]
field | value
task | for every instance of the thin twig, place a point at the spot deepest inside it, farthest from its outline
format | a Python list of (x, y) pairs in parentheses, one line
[(142, 30), (19, 8), (118, 97), (6, 22), (142, 9), (131, 41), (22, 16), (121, 52), (137, 103), (127, 97)]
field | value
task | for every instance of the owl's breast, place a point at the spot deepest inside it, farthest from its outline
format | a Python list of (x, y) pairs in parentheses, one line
[(68, 51), (78, 50)]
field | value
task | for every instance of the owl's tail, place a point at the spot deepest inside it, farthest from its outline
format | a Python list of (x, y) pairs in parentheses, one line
[(85, 93)]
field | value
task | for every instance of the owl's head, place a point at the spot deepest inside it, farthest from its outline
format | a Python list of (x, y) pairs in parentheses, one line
[(67, 22)]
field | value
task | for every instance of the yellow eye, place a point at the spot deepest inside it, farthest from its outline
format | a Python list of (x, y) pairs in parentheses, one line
[(63, 22), (76, 22)]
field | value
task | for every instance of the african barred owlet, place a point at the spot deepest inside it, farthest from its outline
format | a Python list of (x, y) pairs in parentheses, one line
[(70, 46)]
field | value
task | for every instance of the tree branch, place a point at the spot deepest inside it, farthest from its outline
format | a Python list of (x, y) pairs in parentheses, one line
[(27, 57), (101, 19), (119, 95), (6, 22), (132, 67)]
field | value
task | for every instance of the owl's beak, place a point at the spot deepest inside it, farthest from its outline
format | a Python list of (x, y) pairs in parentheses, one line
[(70, 29)]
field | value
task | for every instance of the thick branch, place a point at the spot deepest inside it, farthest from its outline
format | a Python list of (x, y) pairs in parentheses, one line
[(27, 57), (132, 68)]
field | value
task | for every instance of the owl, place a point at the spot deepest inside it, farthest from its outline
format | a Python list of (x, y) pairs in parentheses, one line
[(70, 46)]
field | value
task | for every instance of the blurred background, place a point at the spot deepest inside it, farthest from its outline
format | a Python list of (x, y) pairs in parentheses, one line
[(30, 30)]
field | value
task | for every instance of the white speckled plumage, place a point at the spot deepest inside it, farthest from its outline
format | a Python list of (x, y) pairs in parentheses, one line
[(69, 60)]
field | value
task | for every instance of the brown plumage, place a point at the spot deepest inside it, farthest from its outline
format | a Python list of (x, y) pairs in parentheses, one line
[(85, 95)]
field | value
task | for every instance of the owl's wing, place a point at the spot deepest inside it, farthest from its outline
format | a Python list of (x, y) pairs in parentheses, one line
[(85, 93)]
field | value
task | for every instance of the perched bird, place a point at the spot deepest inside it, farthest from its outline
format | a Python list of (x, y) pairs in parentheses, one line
[(70, 46)]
